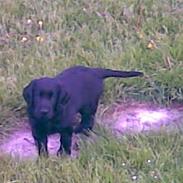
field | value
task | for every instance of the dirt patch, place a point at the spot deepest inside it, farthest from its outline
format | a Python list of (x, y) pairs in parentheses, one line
[(20, 144), (130, 117), (136, 117)]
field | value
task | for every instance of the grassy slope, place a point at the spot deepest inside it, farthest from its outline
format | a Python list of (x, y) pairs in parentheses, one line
[(95, 33)]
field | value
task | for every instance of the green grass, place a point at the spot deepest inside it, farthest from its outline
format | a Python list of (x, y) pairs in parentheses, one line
[(94, 33), (103, 33)]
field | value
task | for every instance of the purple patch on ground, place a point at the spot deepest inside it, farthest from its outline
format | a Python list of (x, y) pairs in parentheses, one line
[(21, 144), (120, 118), (140, 117)]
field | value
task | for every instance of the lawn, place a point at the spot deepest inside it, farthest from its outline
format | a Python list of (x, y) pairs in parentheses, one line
[(39, 38)]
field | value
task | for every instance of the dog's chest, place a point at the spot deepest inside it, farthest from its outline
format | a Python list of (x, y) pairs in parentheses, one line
[(53, 127)]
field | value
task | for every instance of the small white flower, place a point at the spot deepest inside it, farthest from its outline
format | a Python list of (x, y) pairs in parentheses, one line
[(134, 177), (40, 22), (24, 39), (123, 164), (155, 176), (84, 9), (29, 21)]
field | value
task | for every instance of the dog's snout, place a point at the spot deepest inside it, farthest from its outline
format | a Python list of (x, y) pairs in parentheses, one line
[(44, 111)]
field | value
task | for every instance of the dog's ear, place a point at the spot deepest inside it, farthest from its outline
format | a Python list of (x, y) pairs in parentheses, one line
[(62, 98), (28, 93)]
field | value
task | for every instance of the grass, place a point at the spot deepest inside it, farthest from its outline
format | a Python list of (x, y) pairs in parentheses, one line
[(146, 158), (143, 35)]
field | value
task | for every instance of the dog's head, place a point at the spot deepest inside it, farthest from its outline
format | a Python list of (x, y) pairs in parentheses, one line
[(44, 97)]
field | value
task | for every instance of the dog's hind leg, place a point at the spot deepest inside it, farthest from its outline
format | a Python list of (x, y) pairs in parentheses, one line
[(87, 119)]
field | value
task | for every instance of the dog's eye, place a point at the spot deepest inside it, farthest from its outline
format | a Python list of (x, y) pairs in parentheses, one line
[(50, 94), (41, 94), (46, 94)]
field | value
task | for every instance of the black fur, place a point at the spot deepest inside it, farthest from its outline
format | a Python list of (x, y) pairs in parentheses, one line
[(52, 103)]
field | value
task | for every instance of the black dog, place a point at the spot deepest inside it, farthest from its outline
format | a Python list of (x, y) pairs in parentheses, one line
[(52, 103)]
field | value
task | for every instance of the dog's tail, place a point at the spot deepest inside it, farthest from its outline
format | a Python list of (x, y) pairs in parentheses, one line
[(105, 73)]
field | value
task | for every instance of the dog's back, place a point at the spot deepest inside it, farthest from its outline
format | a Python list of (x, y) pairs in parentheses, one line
[(85, 84), (100, 73), (82, 84)]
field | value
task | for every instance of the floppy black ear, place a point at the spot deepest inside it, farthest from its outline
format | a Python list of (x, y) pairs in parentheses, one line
[(28, 93), (62, 98)]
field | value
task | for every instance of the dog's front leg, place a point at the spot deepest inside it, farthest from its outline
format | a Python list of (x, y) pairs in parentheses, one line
[(42, 146), (65, 141), (41, 141)]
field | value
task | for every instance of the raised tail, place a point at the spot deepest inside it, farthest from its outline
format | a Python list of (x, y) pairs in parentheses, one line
[(105, 73)]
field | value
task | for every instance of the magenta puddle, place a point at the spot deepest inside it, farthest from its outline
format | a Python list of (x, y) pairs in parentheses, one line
[(121, 118)]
